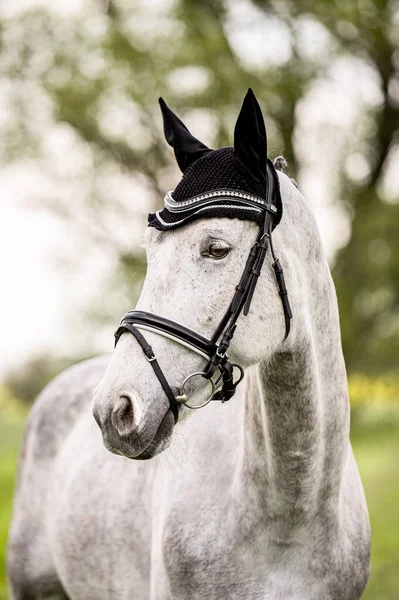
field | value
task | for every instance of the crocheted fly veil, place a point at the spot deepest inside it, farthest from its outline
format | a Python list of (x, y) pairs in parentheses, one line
[(228, 182)]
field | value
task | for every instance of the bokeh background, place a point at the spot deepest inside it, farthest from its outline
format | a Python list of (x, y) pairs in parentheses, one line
[(83, 160)]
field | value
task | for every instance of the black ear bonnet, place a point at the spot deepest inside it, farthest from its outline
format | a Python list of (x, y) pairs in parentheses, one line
[(229, 182)]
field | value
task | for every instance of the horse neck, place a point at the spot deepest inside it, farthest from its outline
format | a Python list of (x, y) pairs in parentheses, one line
[(296, 419)]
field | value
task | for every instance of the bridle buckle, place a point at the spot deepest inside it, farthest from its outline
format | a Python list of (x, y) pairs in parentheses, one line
[(221, 354)]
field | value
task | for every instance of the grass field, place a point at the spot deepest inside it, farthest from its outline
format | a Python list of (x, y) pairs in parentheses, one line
[(11, 430), (376, 445)]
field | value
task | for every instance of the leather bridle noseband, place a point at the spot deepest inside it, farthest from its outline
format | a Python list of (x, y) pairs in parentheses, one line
[(215, 349)]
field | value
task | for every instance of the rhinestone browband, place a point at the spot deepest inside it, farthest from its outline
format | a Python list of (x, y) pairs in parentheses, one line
[(209, 197)]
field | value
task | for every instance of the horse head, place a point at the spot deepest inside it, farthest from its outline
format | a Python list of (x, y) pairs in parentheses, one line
[(199, 247)]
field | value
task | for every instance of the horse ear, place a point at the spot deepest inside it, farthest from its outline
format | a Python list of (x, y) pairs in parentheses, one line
[(187, 148), (250, 141)]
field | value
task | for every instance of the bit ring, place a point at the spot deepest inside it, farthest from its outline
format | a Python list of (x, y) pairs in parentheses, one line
[(182, 397)]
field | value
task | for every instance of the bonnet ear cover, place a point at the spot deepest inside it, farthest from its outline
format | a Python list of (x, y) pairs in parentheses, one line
[(250, 141), (227, 182), (187, 148), (250, 148)]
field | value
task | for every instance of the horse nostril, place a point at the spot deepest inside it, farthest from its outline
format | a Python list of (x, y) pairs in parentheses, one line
[(122, 416)]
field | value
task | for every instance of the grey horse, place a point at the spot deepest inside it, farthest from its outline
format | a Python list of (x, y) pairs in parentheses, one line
[(258, 498)]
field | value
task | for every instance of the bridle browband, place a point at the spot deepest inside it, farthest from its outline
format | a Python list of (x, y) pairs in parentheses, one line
[(215, 349)]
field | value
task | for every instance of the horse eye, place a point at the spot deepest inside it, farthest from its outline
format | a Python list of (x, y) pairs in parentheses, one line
[(218, 250)]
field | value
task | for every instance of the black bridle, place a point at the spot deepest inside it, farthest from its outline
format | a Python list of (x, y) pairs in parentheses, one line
[(215, 349)]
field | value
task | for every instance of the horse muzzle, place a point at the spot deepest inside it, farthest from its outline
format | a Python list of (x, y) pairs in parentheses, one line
[(129, 428)]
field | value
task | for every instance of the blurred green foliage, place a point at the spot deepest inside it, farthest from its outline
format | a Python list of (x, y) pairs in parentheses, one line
[(12, 421), (101, 72), (376, 448), (373, 391), (26, 381)]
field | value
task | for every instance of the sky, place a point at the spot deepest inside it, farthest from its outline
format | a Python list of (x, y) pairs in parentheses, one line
[(50, 273), (38, 297)]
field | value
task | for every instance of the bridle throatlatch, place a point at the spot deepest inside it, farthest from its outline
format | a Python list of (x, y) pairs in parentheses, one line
[(215, 350)]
